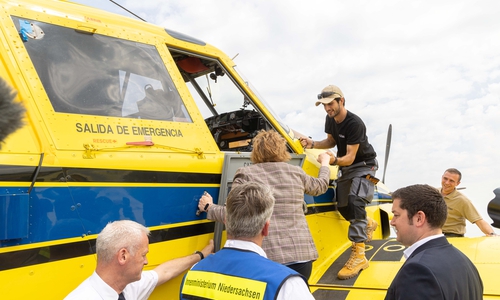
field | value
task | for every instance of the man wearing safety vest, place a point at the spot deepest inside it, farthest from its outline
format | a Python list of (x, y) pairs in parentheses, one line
[(241, 268)]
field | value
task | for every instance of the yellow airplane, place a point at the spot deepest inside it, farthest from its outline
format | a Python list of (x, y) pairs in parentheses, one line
[(128, 120)]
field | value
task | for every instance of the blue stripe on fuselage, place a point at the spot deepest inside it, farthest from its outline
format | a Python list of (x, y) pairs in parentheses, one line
[(62, 212)]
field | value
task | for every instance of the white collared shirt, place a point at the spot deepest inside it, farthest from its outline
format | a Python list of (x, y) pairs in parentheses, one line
[(409, 250), (94, 288), (293, 288)]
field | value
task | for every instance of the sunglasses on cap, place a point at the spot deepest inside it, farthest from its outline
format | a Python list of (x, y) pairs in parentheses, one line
[(326, 95)]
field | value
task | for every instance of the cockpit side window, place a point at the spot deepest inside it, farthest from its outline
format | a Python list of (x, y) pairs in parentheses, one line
[(231, 116), (93, 74)]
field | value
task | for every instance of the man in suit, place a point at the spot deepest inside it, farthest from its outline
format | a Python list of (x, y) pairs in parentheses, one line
[(434, 269)]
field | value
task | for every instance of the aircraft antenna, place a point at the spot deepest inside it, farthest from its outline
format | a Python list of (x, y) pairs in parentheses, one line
[(387, 149), (128, 11)]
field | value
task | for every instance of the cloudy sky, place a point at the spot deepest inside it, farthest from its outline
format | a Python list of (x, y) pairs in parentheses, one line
[(430, 70)]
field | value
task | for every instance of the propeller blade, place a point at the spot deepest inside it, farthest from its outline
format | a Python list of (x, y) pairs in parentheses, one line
[(387, 149)]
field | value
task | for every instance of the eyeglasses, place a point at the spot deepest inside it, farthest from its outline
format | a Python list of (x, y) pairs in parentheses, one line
[(326, 95)]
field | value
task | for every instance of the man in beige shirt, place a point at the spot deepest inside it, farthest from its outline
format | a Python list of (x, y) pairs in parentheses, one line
[(460, 207)]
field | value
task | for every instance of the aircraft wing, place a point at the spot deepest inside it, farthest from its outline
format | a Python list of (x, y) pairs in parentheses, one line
[(386, 258)]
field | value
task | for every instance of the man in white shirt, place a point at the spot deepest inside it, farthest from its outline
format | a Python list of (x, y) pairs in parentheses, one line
[(241, 267), (121, 249)]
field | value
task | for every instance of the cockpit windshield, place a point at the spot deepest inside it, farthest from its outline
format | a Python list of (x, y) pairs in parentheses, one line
[(92, 74)]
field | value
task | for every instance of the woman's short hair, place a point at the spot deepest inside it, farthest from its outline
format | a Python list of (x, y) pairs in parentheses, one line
[(269, 146)]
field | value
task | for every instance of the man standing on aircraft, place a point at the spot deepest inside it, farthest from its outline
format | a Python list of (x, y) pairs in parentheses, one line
[(121, 254), (434, 269), (357, 162), (460, 207), (241, 267)]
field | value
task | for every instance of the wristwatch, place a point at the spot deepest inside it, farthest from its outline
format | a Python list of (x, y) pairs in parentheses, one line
[(200, 254)]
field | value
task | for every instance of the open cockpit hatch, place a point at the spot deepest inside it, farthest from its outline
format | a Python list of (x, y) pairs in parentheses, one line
[(230, 114)]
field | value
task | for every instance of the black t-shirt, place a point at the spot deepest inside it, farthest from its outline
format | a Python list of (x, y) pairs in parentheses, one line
[(351, 131)]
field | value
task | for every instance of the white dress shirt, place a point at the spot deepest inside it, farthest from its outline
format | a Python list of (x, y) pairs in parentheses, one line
[(419, 243), (94, 288)]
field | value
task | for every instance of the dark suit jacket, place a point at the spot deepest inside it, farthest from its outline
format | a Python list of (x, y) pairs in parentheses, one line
[(437, 270)]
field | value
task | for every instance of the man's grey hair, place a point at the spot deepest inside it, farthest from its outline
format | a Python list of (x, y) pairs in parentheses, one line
[(117, 235), (12, 111), (248, 207)]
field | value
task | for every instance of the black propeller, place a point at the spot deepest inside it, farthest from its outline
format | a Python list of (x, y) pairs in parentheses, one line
[(494, 209), (387, 149)]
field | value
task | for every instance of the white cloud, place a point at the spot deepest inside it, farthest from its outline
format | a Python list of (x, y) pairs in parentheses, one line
[(432, 71)]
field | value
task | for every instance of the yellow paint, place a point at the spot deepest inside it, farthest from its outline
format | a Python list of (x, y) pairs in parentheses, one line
[(65, 142)]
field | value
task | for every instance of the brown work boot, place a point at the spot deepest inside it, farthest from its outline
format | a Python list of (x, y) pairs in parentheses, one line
[(356, 262), (370, 228)]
